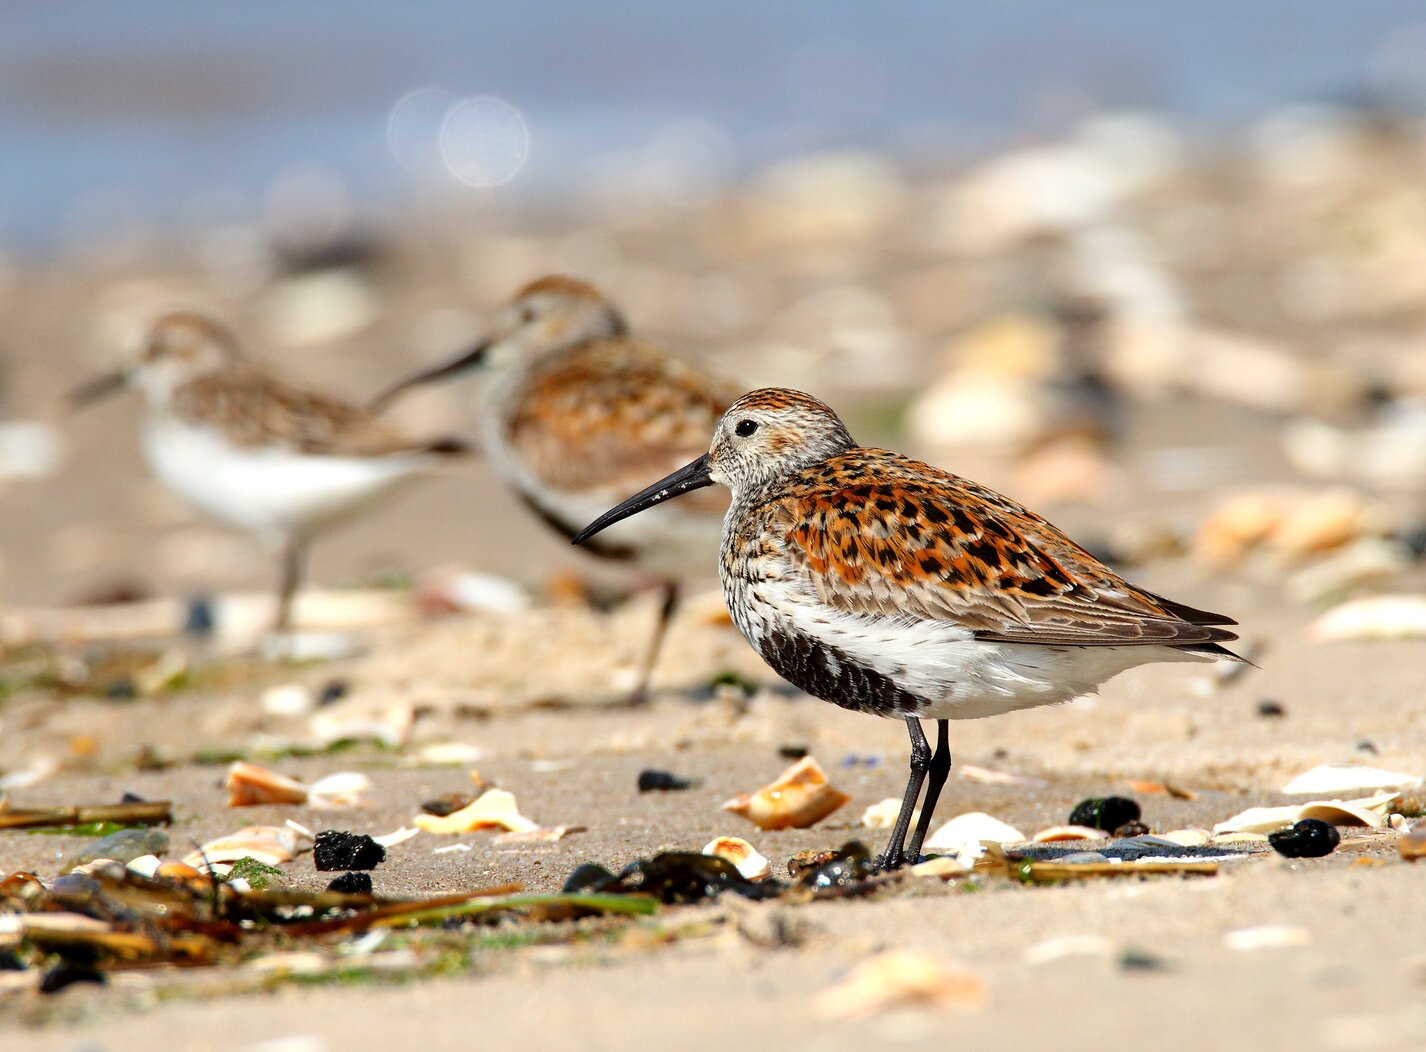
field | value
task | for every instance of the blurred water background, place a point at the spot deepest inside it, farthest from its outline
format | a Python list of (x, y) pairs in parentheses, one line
[(115, 114)]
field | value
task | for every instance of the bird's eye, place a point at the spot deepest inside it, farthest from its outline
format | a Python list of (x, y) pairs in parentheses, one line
[(745, 428)]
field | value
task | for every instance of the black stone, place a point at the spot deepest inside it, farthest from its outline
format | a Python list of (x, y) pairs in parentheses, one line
[(66, 974), (1310, 838), (332, 690), (448, 804), (121, 689), (1271, 709), (662, 781), (132, 798), (352, 884), (792, 752), (340, 850), (199, 621), (587, 877), (1105, 812)]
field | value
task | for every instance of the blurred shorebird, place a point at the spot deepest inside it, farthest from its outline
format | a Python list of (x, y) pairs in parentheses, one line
[(887, 586), (254, 452), (576, 412)]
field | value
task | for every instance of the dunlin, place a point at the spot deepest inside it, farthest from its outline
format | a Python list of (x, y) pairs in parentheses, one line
[(254, 452), (576, 412), (888, 586)]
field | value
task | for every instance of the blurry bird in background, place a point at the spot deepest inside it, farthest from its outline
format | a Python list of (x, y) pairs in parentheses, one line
[(576, 413), (255, 452)]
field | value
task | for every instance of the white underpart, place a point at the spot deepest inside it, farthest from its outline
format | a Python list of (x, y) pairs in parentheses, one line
[(966, 677), (268, 489)]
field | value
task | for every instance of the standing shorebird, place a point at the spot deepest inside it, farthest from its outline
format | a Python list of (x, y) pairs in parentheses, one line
[(885, 585), (576, 412), (254, 452)]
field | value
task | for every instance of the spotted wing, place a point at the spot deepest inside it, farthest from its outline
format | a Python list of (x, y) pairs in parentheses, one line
[(257, 409), (925, 545), (613, 414)]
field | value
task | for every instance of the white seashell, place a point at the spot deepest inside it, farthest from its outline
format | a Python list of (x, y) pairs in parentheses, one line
[(749, 862), (1059, 948), (800, 797), (970, 830), (288, 700), (271, 845), (144, 865), (248, 784), (883, 815), (1376, 617), (1370, 811), (493, 808), (391, 728), (1335, 778), (305, 836), (343, 789), (943, 868), (897, 978), (1056, 833), (1267, 937), (32, 775), (1183, 837), (401, 835), (448, 754)]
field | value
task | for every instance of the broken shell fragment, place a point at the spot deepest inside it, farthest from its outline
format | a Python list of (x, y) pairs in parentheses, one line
[(1412, 843), (270, 845), (800, 797), (900, 978), (1336, 778), (1056, 833), (883, 815), (494, 808), (249, 784), (749, 862), (1377, 617), (1370, 811), (970, 830), (343, 789), (942, 868), (1267, 937)]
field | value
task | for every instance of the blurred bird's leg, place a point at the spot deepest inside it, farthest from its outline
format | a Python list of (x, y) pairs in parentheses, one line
[(937, 773), (670, 590), (294, 560), (920, 761)]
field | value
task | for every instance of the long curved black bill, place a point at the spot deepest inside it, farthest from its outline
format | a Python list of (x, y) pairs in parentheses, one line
[(97, 388), (689, 477), (468, 360)]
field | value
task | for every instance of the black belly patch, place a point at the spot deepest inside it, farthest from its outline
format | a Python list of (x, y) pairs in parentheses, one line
[(803, 662)]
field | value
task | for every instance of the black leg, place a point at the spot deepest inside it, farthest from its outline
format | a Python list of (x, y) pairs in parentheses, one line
[(920, 760), (646, 674), (937, 774), (294, 557)]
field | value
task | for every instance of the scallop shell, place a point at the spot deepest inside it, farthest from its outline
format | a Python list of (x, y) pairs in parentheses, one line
[(897, 978), (1056, 833), (272, 845), (970, 830), (800, 797), (494, 808), (749, 862), (249, 784)]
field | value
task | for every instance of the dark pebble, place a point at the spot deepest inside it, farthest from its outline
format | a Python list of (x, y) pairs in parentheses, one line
[(587, 877), (66, 974), (10, 962), (352, 884), (132, 798), (121, 689), (1367, 746), (662, 781), (1415, 541), (792, 752), (199, 620), (448, 804), (1269, 709), (1310, 838), (1105, 812), (332, 690), (1139, 961), (339, 850)]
